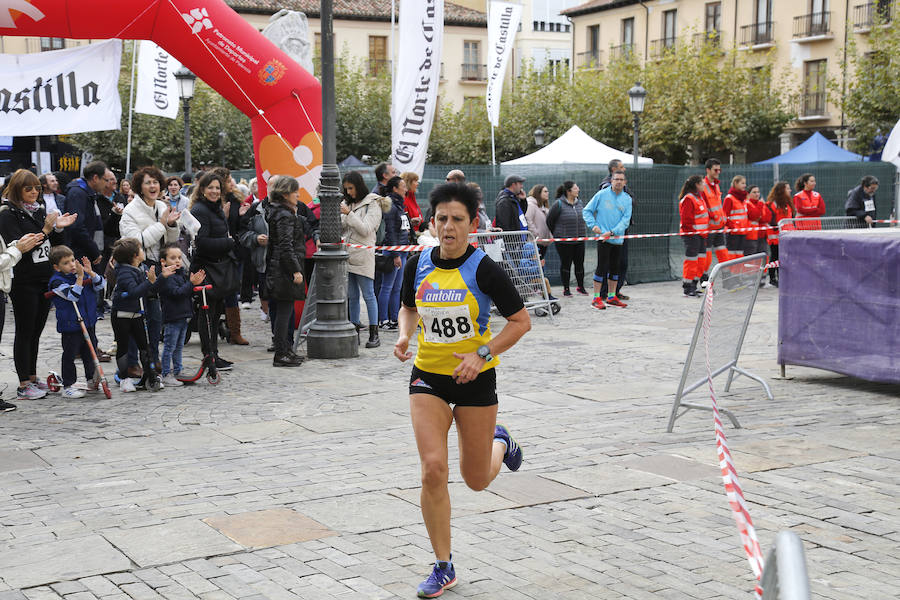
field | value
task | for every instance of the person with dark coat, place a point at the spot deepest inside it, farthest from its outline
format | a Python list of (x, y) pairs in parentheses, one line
[(861, 201), (20, 215), (396, 233), (232, 211), (285, 254), (111, 204), (565, 220), (509, 210), (85, 236), (212, 244)]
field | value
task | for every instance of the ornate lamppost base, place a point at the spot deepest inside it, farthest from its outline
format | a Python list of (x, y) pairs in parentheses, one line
[(332, 335)]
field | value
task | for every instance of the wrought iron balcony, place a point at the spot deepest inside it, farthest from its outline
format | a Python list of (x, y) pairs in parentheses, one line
[(621, 52), (377, 66), (758, 34), (589, 59), (812, 104), (712, 37), (813, 25), (866, 15), (473, 72), (658, 48)]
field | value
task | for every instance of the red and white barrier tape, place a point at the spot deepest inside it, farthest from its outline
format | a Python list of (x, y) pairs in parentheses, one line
[(633, 236), (729, 474)]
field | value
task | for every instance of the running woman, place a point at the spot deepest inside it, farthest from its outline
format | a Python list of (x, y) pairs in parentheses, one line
[(448, 291)]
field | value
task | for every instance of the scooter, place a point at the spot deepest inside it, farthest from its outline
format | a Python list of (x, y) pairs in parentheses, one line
[(54, 381), (151, 379), (208, 365)]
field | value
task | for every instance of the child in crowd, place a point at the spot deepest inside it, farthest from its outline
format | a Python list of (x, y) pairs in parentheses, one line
[(74, 281), (132, 284), (175, 297)]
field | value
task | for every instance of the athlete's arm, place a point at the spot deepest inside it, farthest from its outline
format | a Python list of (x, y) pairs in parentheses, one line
[(408, 318)]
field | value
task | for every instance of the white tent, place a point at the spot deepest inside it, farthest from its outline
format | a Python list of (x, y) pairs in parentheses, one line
[(575, 146)]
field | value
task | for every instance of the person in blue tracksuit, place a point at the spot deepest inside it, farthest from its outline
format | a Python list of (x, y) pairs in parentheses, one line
[(608, 215)]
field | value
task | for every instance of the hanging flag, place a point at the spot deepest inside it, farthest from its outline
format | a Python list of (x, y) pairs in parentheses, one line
[(503, 22), (891, 150), (416, 85), (60, 92), (157, 90)]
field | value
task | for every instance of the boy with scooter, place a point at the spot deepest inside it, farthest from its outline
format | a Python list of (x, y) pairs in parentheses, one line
[(177, 309), (74, 284), (133, 284)]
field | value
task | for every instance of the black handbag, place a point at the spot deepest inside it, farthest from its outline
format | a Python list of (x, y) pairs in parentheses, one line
[(223, 276), (383, 263)]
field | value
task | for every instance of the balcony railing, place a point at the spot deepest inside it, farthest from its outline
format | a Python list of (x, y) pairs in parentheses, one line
[(377, 66), (757, 34), (658, 48), (812, 104), (866, 15), (473, 72), (588, 60), (712, 37), (621, 52), (812, 25)]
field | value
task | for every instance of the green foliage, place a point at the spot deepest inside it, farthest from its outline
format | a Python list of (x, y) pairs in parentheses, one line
[(160, 141), (870, 103), (363, 108)]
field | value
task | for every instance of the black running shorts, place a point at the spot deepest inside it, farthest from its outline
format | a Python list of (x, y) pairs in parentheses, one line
[(482, 391)]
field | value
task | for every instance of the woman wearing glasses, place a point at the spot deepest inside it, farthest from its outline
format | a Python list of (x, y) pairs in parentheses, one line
[(21, 216)]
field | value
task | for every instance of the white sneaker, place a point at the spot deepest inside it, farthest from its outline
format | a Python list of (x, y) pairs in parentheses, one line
[(72, 392), (263, 316), (30, 392), (127, 385), (245, 305), (171, 381)]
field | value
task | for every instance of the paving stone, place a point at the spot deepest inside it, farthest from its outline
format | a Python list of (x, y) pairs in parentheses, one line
[(463, 500), (362, 512), (266, 528), (526, 489), (20, 460), (28, 566), (265, 430), (672, 467), (176, 540), (607, 479)]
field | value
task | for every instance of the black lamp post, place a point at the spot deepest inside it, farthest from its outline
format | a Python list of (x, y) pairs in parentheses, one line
[(636, 97), (222, 135), (186, 81), (539, 136), (331, 334)]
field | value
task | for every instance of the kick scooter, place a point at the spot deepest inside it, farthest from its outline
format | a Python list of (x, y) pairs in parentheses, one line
[(208, 365)]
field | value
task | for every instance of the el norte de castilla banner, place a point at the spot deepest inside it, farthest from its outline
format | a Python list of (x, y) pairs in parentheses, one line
[(60, 92), (503, 22), (416, 84), (157, 90)]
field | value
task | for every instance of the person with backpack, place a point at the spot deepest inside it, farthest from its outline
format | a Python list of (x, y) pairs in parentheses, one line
[(361, 218)]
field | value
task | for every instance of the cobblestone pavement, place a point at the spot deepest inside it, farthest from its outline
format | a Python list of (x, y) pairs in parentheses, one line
[(303, 483)]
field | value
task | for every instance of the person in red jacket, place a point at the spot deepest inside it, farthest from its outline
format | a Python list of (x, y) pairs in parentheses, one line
[(781, 207), (808, 201), (694, 218), (758, 215), (737, 217), (711, 194)]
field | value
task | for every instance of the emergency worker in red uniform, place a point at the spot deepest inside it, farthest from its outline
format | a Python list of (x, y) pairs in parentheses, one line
[(781, 206), (737, 214), (808, 201), (758, 215), (694, 218), (711, 194)]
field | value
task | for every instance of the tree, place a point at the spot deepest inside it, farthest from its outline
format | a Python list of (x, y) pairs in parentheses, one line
[(363, 108), (870, 104), (160, 141)]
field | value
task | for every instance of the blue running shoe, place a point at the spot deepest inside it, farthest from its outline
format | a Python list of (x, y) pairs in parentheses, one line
[(443, 577), (513, 457)]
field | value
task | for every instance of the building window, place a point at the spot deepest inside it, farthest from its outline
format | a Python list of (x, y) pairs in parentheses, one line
[(472, 69), (628, 31), (48, 44), (593, 38), (763, 9), (470, 104), (814, 82), (669, 27), (713, 18), (378, 58)]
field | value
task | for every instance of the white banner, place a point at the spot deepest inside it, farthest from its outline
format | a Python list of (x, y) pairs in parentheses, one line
[(63, 91), (503, 22), (416, 86), (157, 90)]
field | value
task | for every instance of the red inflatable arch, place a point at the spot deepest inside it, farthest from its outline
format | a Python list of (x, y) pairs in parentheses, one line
[(283, 101)]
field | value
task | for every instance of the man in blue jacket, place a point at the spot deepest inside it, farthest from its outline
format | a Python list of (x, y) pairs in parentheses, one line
[(607, 215), (85, 235)]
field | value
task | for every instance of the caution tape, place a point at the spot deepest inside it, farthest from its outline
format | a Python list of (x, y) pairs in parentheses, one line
[(733, 489), (633, 236)]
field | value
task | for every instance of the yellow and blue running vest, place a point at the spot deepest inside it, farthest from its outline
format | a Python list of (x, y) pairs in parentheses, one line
[(454, 313)]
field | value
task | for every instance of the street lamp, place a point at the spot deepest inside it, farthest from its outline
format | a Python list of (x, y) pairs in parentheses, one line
[(539, 136), (331, 335), (636, 97), (186, 81), (222, 135)]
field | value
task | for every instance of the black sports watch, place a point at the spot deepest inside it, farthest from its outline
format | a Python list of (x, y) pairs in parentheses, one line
[(485, 353)]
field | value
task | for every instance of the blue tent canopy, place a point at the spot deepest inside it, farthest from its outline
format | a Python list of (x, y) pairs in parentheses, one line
[(815, 149), (351, 161)]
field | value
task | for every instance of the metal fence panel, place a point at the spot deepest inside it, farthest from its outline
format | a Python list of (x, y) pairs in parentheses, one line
[(734, 285)]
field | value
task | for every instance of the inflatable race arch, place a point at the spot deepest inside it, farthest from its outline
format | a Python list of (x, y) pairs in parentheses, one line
[(283, 101)]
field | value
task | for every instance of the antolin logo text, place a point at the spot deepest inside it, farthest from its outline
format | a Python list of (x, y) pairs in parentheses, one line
[(61, 91), (444, 295)]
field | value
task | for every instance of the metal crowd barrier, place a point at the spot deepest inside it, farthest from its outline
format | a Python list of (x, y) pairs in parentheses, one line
[(517, 253), (784, 576), (735, 285), (821, 223)]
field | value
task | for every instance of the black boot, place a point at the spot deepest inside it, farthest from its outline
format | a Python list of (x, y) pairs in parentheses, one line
[(286, 360), (373, 342), (773, 277), (690, 288)]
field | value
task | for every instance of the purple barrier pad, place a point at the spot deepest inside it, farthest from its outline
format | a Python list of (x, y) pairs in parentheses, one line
[(839, 302)]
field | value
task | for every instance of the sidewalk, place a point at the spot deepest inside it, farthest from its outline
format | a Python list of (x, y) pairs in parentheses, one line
[(303, 483)]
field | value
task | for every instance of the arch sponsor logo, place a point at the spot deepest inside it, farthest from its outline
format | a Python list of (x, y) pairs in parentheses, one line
[(272, 72), (198, 19), (10, 10)]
